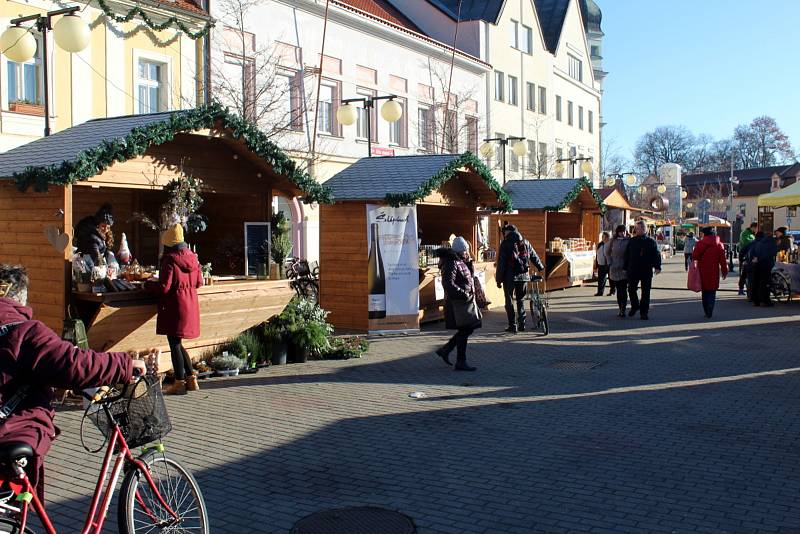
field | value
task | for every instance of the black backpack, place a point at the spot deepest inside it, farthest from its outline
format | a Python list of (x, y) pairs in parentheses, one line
[(521, 258)]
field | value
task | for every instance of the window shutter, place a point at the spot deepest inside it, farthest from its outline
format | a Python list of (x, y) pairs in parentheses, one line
[(296, 102)]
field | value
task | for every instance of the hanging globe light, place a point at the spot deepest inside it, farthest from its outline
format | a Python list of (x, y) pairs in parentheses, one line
[(661, 188), (558, 169), (720, 201), (347, 114), (610, 181), (630, 179), (486, 150), (684, 193), (689, 205), (642, 190), (520, 149), (18, 44), (586, 167), (391, 111), (71, 33)]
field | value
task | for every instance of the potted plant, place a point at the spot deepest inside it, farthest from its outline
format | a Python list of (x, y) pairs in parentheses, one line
[(226, 364), (310, 340), (281, 245), (251, 347), (206, 270), (275, 336), (27, 107), (203, 370), (262, 271), (346, 347)]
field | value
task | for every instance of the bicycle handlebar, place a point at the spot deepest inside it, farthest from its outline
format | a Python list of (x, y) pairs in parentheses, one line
[(101, 395)]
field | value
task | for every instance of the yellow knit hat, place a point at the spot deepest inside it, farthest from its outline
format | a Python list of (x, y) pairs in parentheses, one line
[(172, 236)]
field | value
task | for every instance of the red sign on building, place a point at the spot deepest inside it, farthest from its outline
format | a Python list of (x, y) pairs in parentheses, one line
[(380, 151)]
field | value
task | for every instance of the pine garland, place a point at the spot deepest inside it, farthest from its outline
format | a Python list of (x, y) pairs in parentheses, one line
[(91, 162), (171, 21), (572, 195), (467, 159)]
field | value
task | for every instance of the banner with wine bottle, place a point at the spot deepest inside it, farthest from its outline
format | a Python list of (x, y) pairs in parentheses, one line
[(393, 264)]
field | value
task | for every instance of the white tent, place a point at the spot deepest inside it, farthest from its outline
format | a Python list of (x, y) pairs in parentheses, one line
[(712, 221)]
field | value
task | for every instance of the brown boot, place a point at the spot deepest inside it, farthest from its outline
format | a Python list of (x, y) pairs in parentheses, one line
[(191, 383), (176, 388)]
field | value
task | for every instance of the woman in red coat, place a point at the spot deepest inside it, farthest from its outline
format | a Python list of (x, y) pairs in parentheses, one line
[(709, 254), (178, 309)]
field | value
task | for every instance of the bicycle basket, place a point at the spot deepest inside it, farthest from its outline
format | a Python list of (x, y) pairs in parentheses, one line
[(141, 414)]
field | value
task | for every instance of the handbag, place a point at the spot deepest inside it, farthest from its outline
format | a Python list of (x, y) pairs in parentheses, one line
[(466, 313), (693, 278), (480, 294), (74, 331)]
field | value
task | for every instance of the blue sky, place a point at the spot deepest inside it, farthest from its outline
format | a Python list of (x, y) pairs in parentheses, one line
[(706, 64)]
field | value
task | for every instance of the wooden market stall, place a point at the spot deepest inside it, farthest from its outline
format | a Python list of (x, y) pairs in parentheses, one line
[(447, 193), (561, 219), (52, 183)]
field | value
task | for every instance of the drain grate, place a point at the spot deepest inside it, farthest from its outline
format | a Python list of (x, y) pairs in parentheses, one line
[(355, 520), (568, 365)]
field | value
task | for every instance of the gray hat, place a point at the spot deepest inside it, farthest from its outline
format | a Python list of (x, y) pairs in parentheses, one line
[(460, 245)]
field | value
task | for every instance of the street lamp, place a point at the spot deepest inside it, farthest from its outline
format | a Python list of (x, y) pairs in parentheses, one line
[(347, 113), (630, 178), (519, 149), (586, 166), (71, 33)]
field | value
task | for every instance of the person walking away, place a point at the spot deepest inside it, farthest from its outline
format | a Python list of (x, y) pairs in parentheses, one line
[(32, 356), (763, 261), (459, 289), (642, 259), (615, 256), (711, 261), (747, 267), (602, 264), (178, 307), (513, 273), (688, 246)]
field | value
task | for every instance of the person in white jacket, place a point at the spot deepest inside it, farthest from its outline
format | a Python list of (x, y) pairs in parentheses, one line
[(603, 265), (688, 248)]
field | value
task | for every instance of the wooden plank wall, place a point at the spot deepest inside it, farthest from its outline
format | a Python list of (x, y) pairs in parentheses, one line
[(343, 260), (591, 226), (563, 225), (438, 222), (23, 218), (531, 224)]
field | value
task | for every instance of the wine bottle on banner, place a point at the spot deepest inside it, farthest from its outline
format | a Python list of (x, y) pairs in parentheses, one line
[(376, 278)]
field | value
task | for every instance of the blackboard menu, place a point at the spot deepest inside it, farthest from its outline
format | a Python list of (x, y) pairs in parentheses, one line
[(255, 235)]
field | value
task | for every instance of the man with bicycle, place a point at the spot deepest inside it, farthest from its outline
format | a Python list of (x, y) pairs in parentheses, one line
[(34, 360), (513, 273)]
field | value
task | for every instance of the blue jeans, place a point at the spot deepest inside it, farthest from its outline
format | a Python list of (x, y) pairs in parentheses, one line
[(709, 299)]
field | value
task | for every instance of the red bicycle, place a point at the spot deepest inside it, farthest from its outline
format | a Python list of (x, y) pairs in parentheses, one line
[(157, 493)]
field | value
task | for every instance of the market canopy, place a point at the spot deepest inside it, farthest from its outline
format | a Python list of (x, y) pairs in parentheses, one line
[(788, 196), (86, 150), (402, 180), (616, 200), (552, 194), (713, 222)]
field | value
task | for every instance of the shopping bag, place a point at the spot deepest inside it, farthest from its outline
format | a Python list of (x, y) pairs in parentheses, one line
[(693, 278), (466, 313), (480, 294)]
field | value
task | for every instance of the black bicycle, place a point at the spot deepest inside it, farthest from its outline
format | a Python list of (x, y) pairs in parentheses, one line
[(780, 286), (303, 278), (538, 304)]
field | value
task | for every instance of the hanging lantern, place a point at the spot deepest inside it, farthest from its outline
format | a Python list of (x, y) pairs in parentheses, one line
[(720, 201), (689, 205), (630, 179), (486, 150), (586, 167), (71, 33), (520, 149), (642, 189), (391, 111), (661, 188), (558, 169), (610, 181), (18, 44), (347, 114), (684, 193)]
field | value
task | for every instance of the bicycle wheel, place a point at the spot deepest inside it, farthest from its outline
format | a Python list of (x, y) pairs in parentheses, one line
[(544, 325), (781, 287), (140, 510), (9, 526)]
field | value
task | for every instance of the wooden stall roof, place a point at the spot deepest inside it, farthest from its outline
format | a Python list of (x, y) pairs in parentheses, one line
[(552, 194), (83, 151), (617, 200), (399, 180)]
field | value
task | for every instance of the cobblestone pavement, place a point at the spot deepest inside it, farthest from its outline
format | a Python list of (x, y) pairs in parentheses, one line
[(688, 425)]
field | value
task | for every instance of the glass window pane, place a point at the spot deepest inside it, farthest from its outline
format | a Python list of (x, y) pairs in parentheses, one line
[(29, 73), (12, 82), (143, 105), (155, 104)]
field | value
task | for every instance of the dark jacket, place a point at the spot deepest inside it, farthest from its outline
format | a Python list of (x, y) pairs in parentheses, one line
[(641, 257), (783, 243), (505, 260), (32, 354), (764, 251), (89, 240), (746, 252), (457, 281), (178, 280), (615, 256), (711, 259)]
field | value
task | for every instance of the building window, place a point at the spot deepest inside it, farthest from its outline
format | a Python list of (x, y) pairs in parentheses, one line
[(527, 39), (451, 134), (570, 113), (558, 108), (542, 158), (514, 37), (425, 129), (499, 86), (498, 151), (591, 121), (542, 100), (397, 129), (513, 160), (580, 117), (367, 124), (287, 92), (512, 90), (595, 51), (559, 153), (576, 68), (25, 80), (151, 86), (472, 134), (531, 96), (791, 211)]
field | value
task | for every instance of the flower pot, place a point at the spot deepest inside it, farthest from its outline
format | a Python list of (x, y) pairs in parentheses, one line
[(275, 272), (27, 109), (278, 352), (300, 355), (248, 370), (204, 374), (262, 272), (227, 372)]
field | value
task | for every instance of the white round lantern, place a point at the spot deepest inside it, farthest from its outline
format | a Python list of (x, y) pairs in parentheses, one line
[(71, 33), (586, 167), (486, 150), (391, 111), (347, 114), (558, 169), (18, 44), (661, 189), (630, 179), (520, 149)]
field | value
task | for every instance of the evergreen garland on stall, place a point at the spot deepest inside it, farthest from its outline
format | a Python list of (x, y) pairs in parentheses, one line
[(572, 195), (467, 159), (93, 161), (171, 21)]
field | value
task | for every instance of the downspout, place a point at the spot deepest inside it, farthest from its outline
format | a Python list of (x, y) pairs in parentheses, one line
[(206, 64), (489, 78)]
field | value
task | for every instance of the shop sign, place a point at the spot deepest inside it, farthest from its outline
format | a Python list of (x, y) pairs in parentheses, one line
[(393, 268), (380, 151)]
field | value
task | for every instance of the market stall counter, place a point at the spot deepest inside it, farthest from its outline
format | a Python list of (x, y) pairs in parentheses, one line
[(378, 241), (142, 167), (561, 219)]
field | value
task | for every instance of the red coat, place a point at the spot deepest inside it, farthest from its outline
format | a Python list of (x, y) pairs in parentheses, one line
[(178, 309), (31, 353), (710, 255)]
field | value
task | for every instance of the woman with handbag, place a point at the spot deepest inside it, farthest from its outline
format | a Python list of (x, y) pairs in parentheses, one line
[(461, 312), (709, 254), (615, 256)]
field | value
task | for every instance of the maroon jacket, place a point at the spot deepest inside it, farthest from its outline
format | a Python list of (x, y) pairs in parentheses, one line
[(32, 354), (710, 256), (178, 309)]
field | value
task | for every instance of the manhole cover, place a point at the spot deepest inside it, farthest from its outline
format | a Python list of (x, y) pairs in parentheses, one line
[(574, 366), (355, 520)]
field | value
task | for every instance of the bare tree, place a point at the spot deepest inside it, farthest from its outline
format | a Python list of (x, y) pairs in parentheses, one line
[(611, 159), (541, 163), (762, 143), (665, 144)]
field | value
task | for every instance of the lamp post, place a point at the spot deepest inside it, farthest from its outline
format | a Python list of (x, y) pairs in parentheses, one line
[(586, 166), (71, 33), (347, 114), (519, 149)]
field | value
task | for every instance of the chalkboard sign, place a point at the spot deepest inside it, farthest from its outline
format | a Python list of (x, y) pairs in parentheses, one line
[(255, 234)]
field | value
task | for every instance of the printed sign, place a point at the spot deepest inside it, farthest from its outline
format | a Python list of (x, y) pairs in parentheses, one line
[(380, 151), (393, 268)]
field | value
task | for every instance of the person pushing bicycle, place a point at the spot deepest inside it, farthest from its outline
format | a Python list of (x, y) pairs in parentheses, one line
[(34, 360), (513, 273)]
